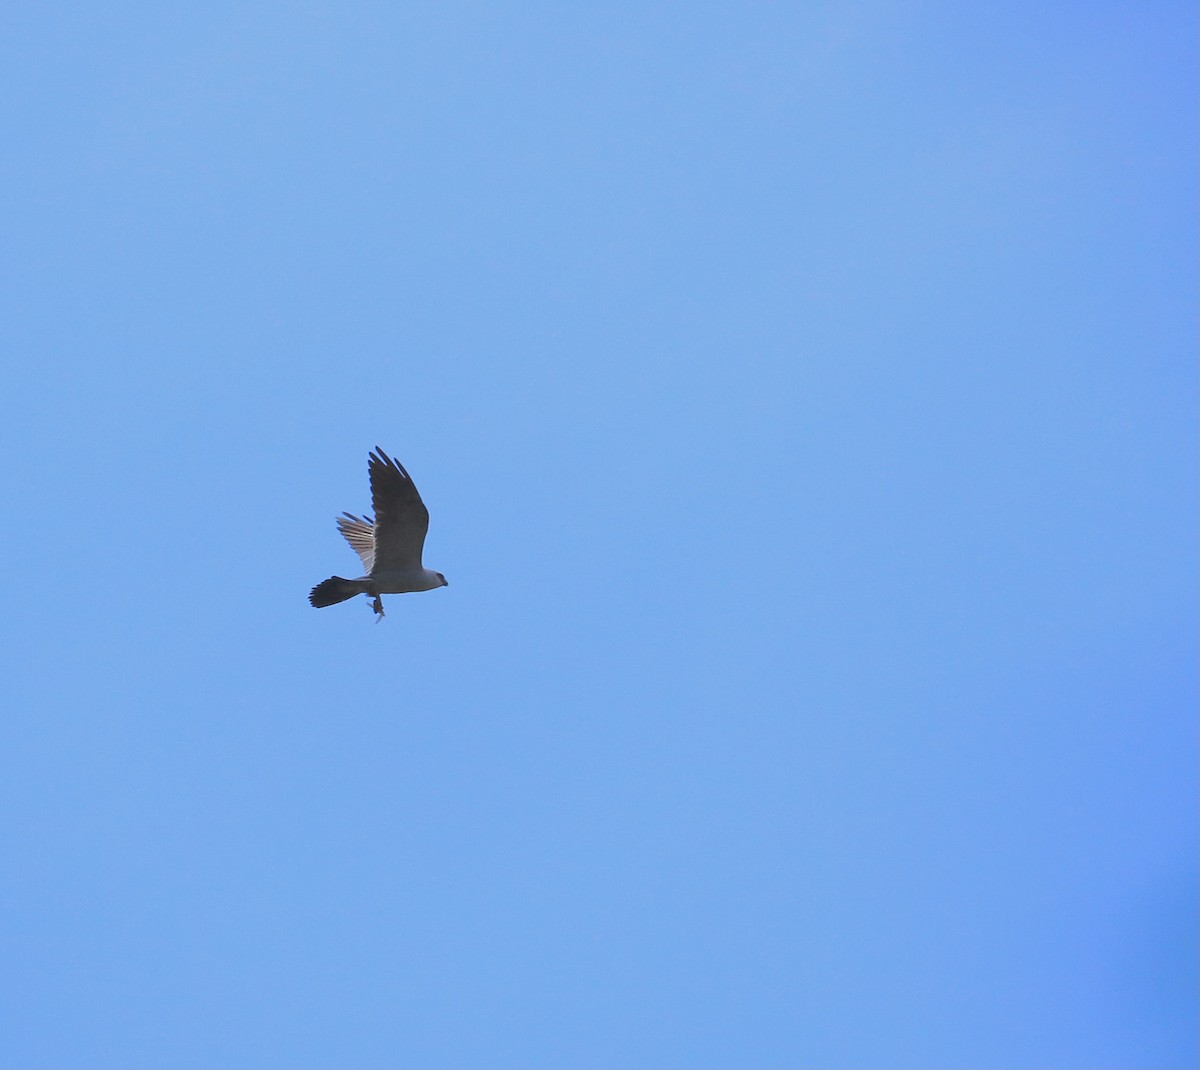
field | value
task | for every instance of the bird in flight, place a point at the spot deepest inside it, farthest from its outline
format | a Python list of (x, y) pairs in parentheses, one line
[(390, 545)]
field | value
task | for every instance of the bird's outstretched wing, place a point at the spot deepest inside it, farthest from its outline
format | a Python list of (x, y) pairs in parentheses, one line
[(359, 532), (401, 519)]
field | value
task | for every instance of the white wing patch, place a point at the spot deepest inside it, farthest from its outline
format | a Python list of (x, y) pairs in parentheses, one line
[(359, 532)]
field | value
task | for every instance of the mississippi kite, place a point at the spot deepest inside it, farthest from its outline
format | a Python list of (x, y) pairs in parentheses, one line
[(390, 545)]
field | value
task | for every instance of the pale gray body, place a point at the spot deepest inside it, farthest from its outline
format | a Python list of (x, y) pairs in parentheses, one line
[(390, 546)]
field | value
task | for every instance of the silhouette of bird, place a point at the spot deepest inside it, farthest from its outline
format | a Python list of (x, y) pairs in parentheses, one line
[(390, 546)]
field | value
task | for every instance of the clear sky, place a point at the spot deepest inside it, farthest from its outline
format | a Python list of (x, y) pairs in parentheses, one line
[(804, 397)]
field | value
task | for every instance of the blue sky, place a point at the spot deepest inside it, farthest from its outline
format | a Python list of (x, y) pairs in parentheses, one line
[(804, 397)]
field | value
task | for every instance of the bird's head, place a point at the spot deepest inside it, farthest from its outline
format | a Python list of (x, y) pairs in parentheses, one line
[(443, 579)]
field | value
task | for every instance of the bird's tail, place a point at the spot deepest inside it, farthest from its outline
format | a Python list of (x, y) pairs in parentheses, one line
[(334, 590)]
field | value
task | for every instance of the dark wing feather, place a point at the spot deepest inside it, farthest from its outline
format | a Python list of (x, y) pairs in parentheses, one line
[(401, 519)]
